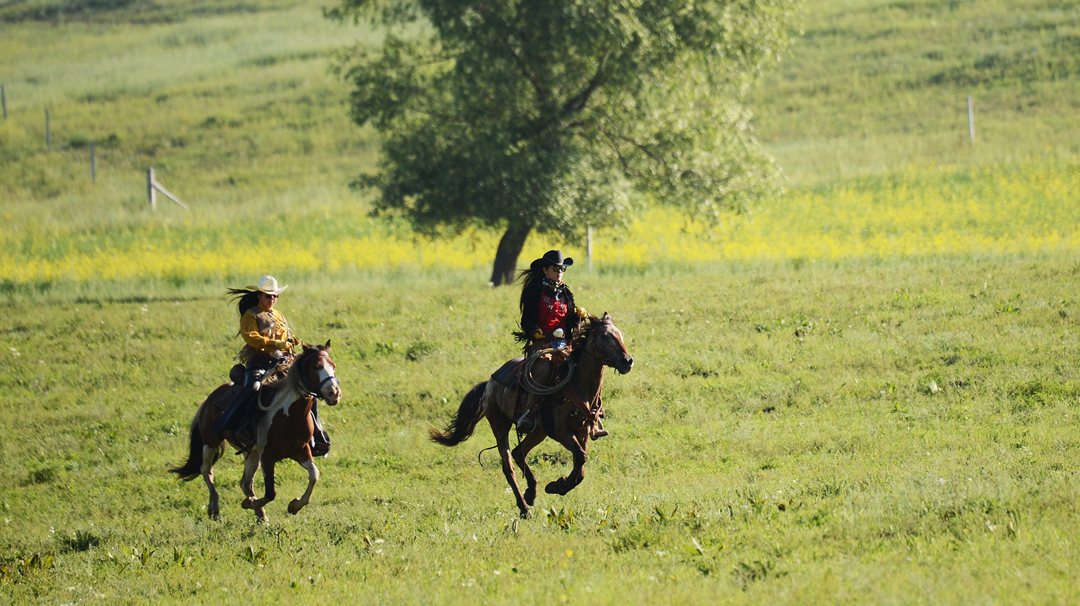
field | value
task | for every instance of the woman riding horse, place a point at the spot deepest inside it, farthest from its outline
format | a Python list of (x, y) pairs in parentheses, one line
[(548, 320), (566, 419), (268, 343), (283, 431)]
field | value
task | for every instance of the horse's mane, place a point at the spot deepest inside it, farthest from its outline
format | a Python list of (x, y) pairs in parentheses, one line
[(292, 376), (583, 332)]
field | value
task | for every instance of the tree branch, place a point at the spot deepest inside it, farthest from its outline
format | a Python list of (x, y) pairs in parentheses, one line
[(578, 101)]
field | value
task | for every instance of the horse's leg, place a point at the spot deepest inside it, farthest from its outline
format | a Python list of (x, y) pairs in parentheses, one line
[(519, 453), (313, 476), (271, 491), (500, 426), (209, 457), (576, 447), (247, 483)]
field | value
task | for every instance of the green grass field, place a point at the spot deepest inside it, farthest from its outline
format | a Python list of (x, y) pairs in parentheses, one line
[(878, 432), (863, 392)]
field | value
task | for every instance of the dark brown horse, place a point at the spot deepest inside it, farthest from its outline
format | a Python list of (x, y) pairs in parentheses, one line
[(283, 431), (566, 416)]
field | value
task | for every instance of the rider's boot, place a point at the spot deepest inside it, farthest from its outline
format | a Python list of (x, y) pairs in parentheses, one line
[(235, 414), (229, 419), (320, 440), (597, 431)]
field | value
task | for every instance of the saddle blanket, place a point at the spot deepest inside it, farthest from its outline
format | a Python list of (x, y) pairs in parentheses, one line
[(509, 374)]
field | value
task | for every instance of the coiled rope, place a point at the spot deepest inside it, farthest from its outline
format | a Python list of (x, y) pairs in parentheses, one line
[(529, 384)]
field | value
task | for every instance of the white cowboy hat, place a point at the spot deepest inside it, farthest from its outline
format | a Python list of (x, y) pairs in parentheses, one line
[(268, 285)]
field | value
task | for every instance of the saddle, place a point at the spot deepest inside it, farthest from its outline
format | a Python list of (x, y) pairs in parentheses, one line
[(509, 374), (246, 413), (270, 379)]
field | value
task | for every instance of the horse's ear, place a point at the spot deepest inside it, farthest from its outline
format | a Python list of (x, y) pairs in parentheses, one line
[(606, 318), (327, 346)]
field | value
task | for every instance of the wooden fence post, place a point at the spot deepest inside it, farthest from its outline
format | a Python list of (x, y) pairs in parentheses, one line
[(152, 185), (971, 121), (588, 246), (150, 189)]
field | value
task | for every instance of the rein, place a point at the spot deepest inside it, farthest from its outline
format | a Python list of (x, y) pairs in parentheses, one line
[(316, 393), (297, 384), (589, 407)]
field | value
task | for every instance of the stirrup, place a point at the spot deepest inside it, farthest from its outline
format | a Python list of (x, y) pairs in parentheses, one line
[(521, 423), (320, 449)]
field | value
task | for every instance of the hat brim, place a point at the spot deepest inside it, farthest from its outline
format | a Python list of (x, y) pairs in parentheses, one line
[(542, 263), (269, 292)]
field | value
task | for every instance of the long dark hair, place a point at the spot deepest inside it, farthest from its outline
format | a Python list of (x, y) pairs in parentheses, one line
[(530, 278), (246, 298)]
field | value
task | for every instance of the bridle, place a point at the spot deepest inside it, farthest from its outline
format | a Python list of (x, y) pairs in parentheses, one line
[(317, 391)]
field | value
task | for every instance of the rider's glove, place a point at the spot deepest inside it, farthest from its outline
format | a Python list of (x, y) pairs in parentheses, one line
[(537, 335), (581, 313)]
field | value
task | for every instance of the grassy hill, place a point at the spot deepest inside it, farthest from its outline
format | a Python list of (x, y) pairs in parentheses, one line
[(235, 107), (232, 104), (874, 86)]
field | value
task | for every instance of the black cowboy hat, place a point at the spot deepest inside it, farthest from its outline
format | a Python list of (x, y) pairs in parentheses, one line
[(552, 257)]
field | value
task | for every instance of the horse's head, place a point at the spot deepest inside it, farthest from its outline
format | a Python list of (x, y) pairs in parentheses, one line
[(317, 373), (605, 341)]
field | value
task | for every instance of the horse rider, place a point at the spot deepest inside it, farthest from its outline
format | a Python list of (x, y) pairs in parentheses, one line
[(268, 343), (548, 318)]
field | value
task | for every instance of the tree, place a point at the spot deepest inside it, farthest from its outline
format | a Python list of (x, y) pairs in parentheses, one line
[(554, 115)]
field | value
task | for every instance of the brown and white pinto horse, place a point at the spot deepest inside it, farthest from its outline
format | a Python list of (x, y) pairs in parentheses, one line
[(565, 416), (284, 430)]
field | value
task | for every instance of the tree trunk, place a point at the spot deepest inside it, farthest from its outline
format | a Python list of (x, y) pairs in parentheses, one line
[(506, 257)]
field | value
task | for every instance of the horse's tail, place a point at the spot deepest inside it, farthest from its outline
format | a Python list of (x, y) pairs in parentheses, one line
[(193, 467), (464, 422)]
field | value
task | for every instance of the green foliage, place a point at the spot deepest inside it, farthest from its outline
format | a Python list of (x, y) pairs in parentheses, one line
[(551, 115)]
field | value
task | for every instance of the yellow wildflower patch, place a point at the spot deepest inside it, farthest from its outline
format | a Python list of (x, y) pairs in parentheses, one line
[(1030, 208)]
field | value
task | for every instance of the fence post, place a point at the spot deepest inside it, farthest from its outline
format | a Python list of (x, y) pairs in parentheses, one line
[(93, 164), (3, 99), (971, 121), (152, 184), (588, 246), (48, 137), (150, 188)]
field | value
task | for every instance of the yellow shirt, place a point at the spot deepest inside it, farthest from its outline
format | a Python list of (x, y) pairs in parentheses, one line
[(264, 329)]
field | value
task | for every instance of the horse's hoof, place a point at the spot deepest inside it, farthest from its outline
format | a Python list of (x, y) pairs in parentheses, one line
[(530, 496), (559, 487), (295, 506), (525, 514), (248, 503)]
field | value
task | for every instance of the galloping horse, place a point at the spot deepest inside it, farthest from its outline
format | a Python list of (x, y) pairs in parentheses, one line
[(283, 431), (565, 418)]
